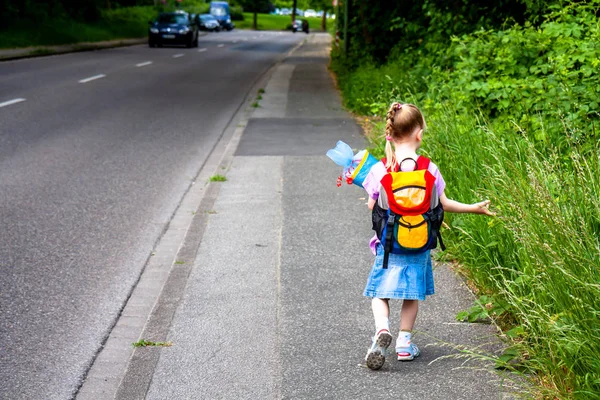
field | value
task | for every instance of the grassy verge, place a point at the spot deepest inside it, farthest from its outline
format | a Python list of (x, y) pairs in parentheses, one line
[(117, 24), (268, 22), (526, 139)]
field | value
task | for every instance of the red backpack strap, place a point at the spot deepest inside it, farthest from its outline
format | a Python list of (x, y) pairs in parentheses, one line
[(384, 161), (423, 162)]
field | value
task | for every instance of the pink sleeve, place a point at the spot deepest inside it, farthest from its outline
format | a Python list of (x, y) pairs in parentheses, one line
[(373, 179), (440, 184)]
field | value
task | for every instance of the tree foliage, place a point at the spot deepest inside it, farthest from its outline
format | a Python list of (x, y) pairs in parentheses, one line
[(377, 27), (39, 10)]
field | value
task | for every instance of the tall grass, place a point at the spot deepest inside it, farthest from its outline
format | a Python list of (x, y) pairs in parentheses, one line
[(538, 261)]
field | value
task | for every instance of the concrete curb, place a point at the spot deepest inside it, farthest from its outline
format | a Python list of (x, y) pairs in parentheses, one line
[(42, 51), (119, 370)]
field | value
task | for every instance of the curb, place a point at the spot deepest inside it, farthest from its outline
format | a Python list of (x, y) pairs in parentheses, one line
[(42, 51), (153, 301)]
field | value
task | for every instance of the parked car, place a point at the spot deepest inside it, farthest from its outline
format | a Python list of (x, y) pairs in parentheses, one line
[(207, 22), (220, 10), (310, 13), (173, 28)]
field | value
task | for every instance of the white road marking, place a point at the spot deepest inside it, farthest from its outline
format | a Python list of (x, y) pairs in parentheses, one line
[(178, 55), (92, 78), (143, 64), (13, 101), (221, 45), (201, 50)]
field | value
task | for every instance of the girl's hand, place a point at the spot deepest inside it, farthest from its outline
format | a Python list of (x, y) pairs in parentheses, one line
[(458, 207), (484, 208)]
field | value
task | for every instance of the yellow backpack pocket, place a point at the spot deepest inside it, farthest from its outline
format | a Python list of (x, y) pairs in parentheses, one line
[(412, 232)]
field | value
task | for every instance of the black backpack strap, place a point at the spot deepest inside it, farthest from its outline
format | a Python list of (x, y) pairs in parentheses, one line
[(389, 234), (439, 235)]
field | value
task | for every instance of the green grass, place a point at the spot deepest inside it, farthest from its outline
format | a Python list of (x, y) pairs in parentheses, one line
[(268, 22), (147, 343), (118, 24), (536, 266), (218, 178)]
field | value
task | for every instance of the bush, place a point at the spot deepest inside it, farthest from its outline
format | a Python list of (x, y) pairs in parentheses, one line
[(237, 13), (512, 117)]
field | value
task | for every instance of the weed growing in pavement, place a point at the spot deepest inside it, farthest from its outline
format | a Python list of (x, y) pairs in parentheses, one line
[(255, 104), (147, 343), (218, 178), (179, 262)]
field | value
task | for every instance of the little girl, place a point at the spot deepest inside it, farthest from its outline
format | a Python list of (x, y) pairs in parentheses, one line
[(408, 276)]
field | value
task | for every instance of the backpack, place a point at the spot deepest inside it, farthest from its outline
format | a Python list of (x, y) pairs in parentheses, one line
[(408, 214)]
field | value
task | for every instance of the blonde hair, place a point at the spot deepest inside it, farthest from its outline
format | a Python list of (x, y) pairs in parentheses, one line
[(401, 121)]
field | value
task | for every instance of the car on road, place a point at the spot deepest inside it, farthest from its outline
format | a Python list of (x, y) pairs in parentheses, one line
[(173, 28), (310, 13), (300, 25), (220, 10), (207, 22)]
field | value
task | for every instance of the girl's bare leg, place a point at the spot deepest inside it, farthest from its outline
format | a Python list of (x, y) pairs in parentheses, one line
[(381, 313), (410, 308)]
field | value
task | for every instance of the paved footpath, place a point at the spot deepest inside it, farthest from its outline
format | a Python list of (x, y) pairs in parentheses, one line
[(273, 305)]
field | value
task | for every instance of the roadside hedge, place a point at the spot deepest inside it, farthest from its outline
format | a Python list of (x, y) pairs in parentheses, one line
[(513, 116)]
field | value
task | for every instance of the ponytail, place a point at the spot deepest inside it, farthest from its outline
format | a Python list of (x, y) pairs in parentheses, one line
[(390, 156)]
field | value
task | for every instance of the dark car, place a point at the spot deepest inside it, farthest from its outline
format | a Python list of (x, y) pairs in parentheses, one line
[(173, 28), (300, 25), (207, 22)]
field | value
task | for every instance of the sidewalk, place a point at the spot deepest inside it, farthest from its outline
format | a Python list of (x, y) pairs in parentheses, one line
[(273, 304)]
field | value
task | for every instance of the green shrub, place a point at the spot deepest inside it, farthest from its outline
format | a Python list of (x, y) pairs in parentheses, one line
[(237, 13), (512, 117)]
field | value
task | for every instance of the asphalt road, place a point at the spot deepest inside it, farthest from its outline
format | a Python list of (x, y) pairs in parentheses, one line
[(96, 151)]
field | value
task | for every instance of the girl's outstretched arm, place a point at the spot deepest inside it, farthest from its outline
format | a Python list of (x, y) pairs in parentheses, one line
[(457, 207)]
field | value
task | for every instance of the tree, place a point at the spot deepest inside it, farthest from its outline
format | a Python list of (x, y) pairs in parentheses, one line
[(255, 6), (375, 27), (325, 6)]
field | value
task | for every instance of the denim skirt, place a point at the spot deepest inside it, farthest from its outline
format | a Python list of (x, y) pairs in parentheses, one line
[(408, 276)]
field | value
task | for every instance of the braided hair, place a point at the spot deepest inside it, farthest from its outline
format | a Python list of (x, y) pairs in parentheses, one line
[(401, 121)]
